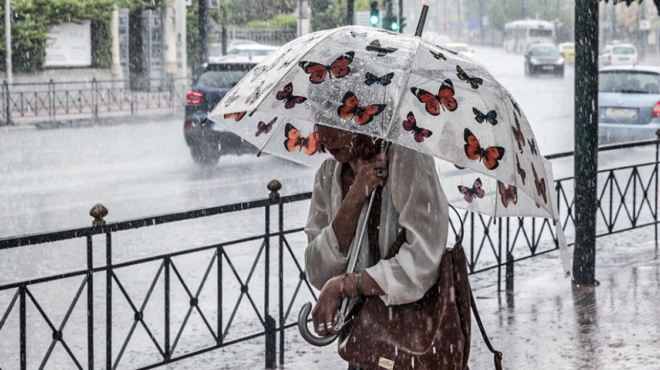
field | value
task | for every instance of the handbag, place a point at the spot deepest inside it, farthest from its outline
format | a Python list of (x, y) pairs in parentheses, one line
[(431, 333)]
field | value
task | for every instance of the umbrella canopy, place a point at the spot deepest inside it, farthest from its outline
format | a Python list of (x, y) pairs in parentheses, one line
[(406, 91)]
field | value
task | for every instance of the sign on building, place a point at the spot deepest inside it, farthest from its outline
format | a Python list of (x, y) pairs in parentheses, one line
[(69, 45)]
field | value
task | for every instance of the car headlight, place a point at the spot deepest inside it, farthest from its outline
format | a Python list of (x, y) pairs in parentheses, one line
[(533, 60), (560, 61)]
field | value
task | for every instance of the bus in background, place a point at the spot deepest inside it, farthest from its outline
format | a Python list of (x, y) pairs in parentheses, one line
[(519, 35)]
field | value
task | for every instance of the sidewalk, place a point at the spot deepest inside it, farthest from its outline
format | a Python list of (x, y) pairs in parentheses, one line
[(547, 323)]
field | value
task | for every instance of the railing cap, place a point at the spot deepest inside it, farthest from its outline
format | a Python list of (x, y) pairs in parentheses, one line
[(98, 212)]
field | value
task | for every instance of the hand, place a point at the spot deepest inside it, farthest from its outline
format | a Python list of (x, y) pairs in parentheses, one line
[(371, 174), (327, 306)]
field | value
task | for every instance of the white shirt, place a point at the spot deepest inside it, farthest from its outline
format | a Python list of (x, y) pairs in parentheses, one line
[(412, 198)]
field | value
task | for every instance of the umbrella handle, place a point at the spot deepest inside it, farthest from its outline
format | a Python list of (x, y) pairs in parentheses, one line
[(306, 334)]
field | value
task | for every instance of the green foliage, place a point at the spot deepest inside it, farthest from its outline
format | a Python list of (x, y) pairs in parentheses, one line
[(246, 11), (327, 14), (33, 18), (280, 21)]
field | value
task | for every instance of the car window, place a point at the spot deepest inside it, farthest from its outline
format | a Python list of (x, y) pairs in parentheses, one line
[(540, 33), (222, 78), (251, 52), (544, 51), (628, 82), (626, 50)]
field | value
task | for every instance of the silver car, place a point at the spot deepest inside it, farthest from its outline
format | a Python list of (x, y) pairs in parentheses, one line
[(628, 103)]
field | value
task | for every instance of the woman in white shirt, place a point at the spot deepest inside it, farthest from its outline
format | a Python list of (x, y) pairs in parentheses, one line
[(411, 198)]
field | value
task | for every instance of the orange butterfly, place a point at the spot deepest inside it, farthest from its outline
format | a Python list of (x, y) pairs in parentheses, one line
[(351, 108), (296, 142), (508, 194), (518, 135), (444, 99), (490, 156), (337, 69), (237, 116), (540, 185)]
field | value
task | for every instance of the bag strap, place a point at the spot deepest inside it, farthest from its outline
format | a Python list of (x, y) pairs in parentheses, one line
[(497, 355)]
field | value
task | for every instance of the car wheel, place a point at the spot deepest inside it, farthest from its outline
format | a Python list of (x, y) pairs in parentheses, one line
[(205, 152)]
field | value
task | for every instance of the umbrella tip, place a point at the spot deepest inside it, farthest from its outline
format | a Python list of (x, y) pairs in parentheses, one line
[(422, 20)]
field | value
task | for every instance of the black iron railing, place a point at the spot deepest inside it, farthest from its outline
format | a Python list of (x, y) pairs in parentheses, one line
[(627, 201), (53, 100)]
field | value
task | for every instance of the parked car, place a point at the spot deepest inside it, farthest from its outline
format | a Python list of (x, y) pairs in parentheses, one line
[(252, 50), (205, 139), (460, 48), (628, 103), (618, 55), (567, 50), (544, 58)]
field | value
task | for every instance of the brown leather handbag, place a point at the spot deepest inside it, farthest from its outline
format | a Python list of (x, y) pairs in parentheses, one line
[(431, 333)]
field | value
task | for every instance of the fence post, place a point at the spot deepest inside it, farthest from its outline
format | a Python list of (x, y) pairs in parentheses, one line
[(23, 327), (168, 353), (51, 99), (5, 87), (270, 325), (108, 301), (90, 305), (95, 98), (657, 159), (275, 186), (509, 260)]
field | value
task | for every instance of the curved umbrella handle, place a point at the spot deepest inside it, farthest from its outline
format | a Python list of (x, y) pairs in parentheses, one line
[(306, 334)]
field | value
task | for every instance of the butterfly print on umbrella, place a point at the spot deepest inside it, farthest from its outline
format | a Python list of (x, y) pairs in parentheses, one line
[(474, 82), (410, 124), (518, 135), (508, 194), (474, 192), (439, 55), (490, 117), (264, 128), (384, 80), (295, 142), (260, 70), (489, 156), (351, 108), (520, 170), (237, 116), (380, 50), (286, 95), (337, 69), (515, 105), (257, 93), (228, 99), (432, 102), (540, 185), (358, 34), (532, 146)]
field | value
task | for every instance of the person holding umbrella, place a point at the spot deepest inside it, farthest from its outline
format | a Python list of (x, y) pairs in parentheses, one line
[(411, 199)]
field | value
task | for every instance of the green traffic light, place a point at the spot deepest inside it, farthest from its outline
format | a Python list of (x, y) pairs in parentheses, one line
[(373, 19), (394, 26)]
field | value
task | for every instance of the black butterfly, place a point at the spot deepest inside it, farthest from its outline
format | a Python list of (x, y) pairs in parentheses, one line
[(383, 80), (515, 105), (382, 51), (360, 34), (521, 172), (438, 55), (475, 82), (490, 117), (532, 146)]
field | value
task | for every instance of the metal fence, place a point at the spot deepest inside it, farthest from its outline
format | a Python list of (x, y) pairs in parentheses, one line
[(50, 101), (271, 36), (628, 199)]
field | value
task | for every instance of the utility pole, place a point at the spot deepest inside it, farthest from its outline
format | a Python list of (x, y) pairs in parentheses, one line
[(350, 8), (586, 141), (203, 36), (10, 77)]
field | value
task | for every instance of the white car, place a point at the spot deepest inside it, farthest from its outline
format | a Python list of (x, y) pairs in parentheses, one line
[(618, 55), (254, 52)]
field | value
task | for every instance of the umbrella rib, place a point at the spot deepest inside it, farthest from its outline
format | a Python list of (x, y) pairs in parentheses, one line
[(400, 100)]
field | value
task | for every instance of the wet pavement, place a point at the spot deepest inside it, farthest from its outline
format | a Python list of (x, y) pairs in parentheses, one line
[(549, 323)]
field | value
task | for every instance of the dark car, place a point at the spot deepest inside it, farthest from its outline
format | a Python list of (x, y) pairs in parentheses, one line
[(544, 59), (206, 141)]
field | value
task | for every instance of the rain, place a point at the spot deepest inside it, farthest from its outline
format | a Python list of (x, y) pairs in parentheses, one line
[(177, 116)]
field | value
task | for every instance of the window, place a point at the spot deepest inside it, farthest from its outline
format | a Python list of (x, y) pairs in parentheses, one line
[(535, 32), (629, 82)]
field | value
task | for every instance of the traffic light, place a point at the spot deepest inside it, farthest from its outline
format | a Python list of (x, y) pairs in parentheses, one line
[(374, 17), (393, 24)]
